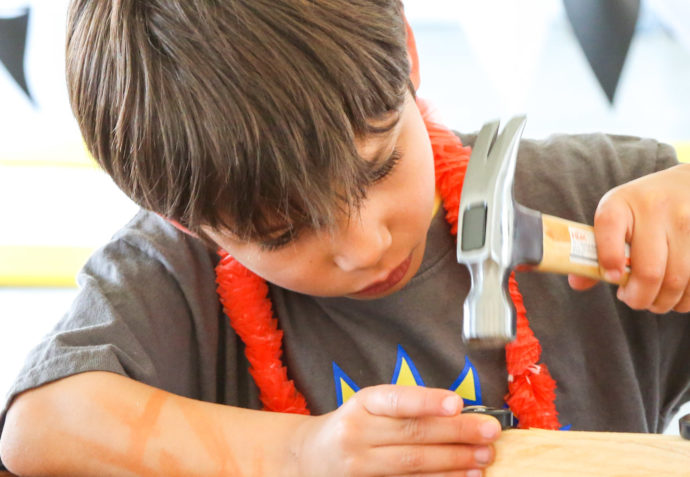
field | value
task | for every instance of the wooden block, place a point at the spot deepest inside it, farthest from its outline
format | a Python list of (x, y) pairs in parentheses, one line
[(539, 453)]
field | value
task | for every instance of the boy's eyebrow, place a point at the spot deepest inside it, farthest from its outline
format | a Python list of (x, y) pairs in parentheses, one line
[(281, 237), (382, 153), (284, 233)]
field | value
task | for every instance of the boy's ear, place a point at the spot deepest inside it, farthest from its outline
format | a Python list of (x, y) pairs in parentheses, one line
[(412, 56)]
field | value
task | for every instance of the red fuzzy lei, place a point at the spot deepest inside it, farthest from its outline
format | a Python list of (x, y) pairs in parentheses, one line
[(244, 296)]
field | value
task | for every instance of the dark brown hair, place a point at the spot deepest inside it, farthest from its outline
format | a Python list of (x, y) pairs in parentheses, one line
[(236, 114)]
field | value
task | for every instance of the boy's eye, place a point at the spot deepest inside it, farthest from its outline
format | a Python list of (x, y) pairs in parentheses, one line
[(279, 241), (379, 174)]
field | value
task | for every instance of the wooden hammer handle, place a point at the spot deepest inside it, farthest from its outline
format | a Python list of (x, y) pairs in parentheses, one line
[(569, 247)]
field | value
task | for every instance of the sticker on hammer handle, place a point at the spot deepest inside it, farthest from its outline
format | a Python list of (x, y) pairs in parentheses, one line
[(583, 248)]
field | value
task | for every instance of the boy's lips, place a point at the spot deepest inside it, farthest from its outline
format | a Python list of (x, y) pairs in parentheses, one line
[(390, 281)]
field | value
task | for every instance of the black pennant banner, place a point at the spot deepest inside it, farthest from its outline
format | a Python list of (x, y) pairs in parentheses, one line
[(604, 29), (12, 47)]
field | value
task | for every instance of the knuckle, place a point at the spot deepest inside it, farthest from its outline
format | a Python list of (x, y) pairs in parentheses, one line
[(393, 400), (604, 216), (358, 399), (463, 458), (649, 273), (659, 308), (637, 302), (611, 196), (466, 428), (462, 428), (655, 201), (682, 219), (638, 305), (345, 433), (413, 460), (683, 306), (674, 282), (352, 466), (414, 430)]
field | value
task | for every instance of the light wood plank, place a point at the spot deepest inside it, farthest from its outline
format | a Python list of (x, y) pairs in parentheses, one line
[(539, 453)]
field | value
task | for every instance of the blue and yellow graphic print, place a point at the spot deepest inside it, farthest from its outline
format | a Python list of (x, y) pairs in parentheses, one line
[(466, 385)]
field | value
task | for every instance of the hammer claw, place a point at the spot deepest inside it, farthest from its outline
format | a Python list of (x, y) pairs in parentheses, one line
[(484, 142)]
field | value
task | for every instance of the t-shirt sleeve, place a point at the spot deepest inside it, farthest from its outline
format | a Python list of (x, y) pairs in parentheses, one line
[(566, 175), (146, 309)]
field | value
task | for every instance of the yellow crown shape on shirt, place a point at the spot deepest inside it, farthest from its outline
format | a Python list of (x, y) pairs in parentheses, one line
[(466, 385)]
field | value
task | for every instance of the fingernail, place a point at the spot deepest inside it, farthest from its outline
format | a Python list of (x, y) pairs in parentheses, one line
[(473, 473), (489, 429), (613, 276), (482, 455), (450, 405), (621, 294)]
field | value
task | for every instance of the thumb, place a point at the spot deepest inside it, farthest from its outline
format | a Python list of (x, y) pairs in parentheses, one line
[(410, 401), (579, 283)]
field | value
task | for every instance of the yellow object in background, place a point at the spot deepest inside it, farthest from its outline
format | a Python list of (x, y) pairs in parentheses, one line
[(56, 212), (41, 266), (69, 155), (683, 151), (57, 266)]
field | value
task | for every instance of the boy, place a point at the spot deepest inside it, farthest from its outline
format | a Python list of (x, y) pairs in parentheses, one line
[(287, 134)]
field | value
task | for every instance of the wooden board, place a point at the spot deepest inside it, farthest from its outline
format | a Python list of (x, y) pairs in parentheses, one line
[(539, 453)]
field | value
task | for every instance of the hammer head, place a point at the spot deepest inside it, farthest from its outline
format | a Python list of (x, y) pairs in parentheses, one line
[(494, 234)]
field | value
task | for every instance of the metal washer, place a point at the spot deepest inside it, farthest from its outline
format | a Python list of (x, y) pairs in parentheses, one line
[(684, 425), (504, 416)]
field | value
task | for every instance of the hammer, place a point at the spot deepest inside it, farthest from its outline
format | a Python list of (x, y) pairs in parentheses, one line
[(497, 234)]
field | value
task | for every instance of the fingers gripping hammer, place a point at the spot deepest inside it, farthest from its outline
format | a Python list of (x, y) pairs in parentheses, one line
[(496, 234)]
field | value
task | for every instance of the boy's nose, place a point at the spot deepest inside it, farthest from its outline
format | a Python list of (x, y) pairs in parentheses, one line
[(361, 244)]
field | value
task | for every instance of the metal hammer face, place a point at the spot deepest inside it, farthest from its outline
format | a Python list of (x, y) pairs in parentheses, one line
[(494, 234)]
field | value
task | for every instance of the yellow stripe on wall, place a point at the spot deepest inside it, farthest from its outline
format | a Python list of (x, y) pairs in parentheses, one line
[(57, 266), (683, 151), (63, 164), (68, 155), (41, 266)]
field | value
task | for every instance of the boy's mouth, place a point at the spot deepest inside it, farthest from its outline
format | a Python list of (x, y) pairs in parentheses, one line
[(389, 282)]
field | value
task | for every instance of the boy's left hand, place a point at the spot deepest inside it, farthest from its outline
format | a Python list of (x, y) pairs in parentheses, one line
[(652, 214)]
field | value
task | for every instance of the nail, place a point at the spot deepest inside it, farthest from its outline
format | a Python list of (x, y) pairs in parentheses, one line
[(473, 473), (621, 294), (612, 276), (482, 455), (450, 405)]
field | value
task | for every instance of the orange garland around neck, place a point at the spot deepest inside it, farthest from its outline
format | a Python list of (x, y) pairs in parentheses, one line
[(244, 297)]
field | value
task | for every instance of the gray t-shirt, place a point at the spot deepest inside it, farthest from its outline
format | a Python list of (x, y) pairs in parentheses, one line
[(148, 309)]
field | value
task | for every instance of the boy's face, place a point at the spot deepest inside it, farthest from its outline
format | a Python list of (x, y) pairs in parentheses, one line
[(380, 247)]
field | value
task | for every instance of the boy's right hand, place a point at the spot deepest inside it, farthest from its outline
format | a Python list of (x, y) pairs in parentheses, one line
[(398, 430)]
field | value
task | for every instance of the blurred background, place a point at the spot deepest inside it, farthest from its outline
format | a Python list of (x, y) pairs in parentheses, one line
[(571, 66)]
